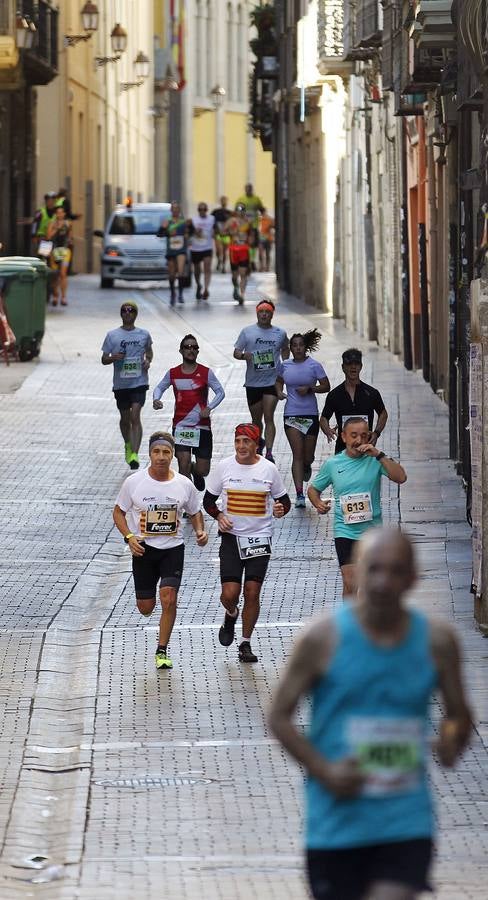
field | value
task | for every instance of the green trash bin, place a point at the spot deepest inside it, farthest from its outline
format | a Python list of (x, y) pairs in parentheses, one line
[(40, 292), (17, 282)]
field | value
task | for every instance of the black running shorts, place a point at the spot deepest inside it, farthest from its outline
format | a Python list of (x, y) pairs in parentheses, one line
[(256, 394), (344, 549), (349, 874), (232, 566), (165, 566), (125, 397)]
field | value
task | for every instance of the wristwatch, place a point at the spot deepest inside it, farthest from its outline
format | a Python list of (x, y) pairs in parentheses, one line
[(380, 456), (130, 534)]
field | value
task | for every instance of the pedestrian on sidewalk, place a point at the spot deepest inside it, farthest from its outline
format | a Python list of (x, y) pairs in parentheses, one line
[(148, 513), (263, 346), (355, 476), (252, 493), (192, 429), (176, 229), (202, 237), (129, 350), (371, 670), (303, 378), (353, 398), (59, 233)]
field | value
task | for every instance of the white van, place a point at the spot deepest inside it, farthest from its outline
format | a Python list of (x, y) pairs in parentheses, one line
[(132, 249)]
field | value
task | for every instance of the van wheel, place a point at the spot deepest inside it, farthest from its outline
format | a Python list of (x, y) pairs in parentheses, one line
[(106, 282)]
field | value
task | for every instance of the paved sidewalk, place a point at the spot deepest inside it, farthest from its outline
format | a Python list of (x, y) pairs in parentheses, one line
[(122, 782)]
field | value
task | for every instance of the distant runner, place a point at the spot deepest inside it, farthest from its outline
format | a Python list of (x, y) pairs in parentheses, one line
[(129, 350)]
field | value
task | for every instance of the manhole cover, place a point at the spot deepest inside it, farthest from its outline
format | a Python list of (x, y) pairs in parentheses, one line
[(150, 781)]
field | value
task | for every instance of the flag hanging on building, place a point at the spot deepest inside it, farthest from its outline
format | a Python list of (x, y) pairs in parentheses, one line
[(178, 38)]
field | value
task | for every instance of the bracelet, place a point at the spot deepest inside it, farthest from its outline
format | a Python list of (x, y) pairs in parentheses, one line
[(128, 536), (380, 456)]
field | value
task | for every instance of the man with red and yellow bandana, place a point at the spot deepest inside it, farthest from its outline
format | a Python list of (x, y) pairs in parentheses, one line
[(240, 231), (252, 494)]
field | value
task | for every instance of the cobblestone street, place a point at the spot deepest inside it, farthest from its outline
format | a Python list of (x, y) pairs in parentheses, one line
[(121, 782)]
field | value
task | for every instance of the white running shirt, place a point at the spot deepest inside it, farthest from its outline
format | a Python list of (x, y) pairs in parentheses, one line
[(154, 508), (248, 493)]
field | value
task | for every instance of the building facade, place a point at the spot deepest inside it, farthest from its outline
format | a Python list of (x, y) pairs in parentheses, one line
[(28, 59), (95, 131)]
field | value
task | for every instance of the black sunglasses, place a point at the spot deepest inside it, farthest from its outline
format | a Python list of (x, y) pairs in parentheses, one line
[(190, 347), (127, 309)]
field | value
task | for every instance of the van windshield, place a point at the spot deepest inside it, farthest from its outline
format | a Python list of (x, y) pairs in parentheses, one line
[(137, 221)]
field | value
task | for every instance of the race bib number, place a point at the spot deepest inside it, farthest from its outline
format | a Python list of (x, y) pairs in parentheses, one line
[(159, 519), (263, 359), (45, 248), (390, 753), (177, 242), (187, 437), (356, 508), (250, 547), (299, 423), (131, 367)]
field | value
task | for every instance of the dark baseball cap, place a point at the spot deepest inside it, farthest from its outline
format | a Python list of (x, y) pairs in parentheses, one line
[(352, 356)]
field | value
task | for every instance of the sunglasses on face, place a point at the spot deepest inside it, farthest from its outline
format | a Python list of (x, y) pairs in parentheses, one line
[(190, 347), (127, 309)]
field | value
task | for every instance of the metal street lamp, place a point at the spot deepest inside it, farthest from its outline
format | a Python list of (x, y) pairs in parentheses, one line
[(141, 65), (118, 39), (89, 18), (25, 32), (217, 95)]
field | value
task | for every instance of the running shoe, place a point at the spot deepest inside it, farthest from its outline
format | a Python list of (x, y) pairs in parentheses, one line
[(205, 295), (134, 461), (300, 501), (269, 456), (162, 659), (245, 653), (307, 472), (199, 292), (128, 452), (181, 298), (198, 481), (227, 630), (240, 300)]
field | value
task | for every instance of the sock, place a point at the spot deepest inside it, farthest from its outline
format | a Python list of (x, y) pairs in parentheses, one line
[(299, 488), (172, 286), (245, 641), (180, 286), (162, 647), (236, 613)]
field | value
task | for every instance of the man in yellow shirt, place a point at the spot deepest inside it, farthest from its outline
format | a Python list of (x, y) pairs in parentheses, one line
[(254, 205)]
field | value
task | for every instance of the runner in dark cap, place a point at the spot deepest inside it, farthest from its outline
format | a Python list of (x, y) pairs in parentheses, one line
[(352, 398)]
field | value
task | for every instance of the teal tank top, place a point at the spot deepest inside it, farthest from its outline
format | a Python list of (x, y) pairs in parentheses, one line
[(372, 703)]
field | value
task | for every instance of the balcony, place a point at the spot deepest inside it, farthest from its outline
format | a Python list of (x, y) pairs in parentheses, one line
[(40, 63), (9, 55), (362, 28), (433, 26), (330, 31)]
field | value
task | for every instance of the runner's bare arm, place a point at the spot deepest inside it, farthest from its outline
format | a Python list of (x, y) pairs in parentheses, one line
[(380, 426), (457, 724), (121, 523), (393, 469), (323, 386), (279, 388), (199, 529), (330, 433), (322, 506), (309, 660), (285, 349), (281, 506)]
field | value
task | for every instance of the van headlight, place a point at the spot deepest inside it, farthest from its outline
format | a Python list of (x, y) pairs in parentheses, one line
[(112, 251)]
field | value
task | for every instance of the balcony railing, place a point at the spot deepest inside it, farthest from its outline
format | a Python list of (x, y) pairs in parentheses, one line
[(41, 61)]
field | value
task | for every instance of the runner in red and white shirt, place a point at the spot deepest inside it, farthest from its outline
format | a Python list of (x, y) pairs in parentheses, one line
[(191, 421), (252, 495)]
